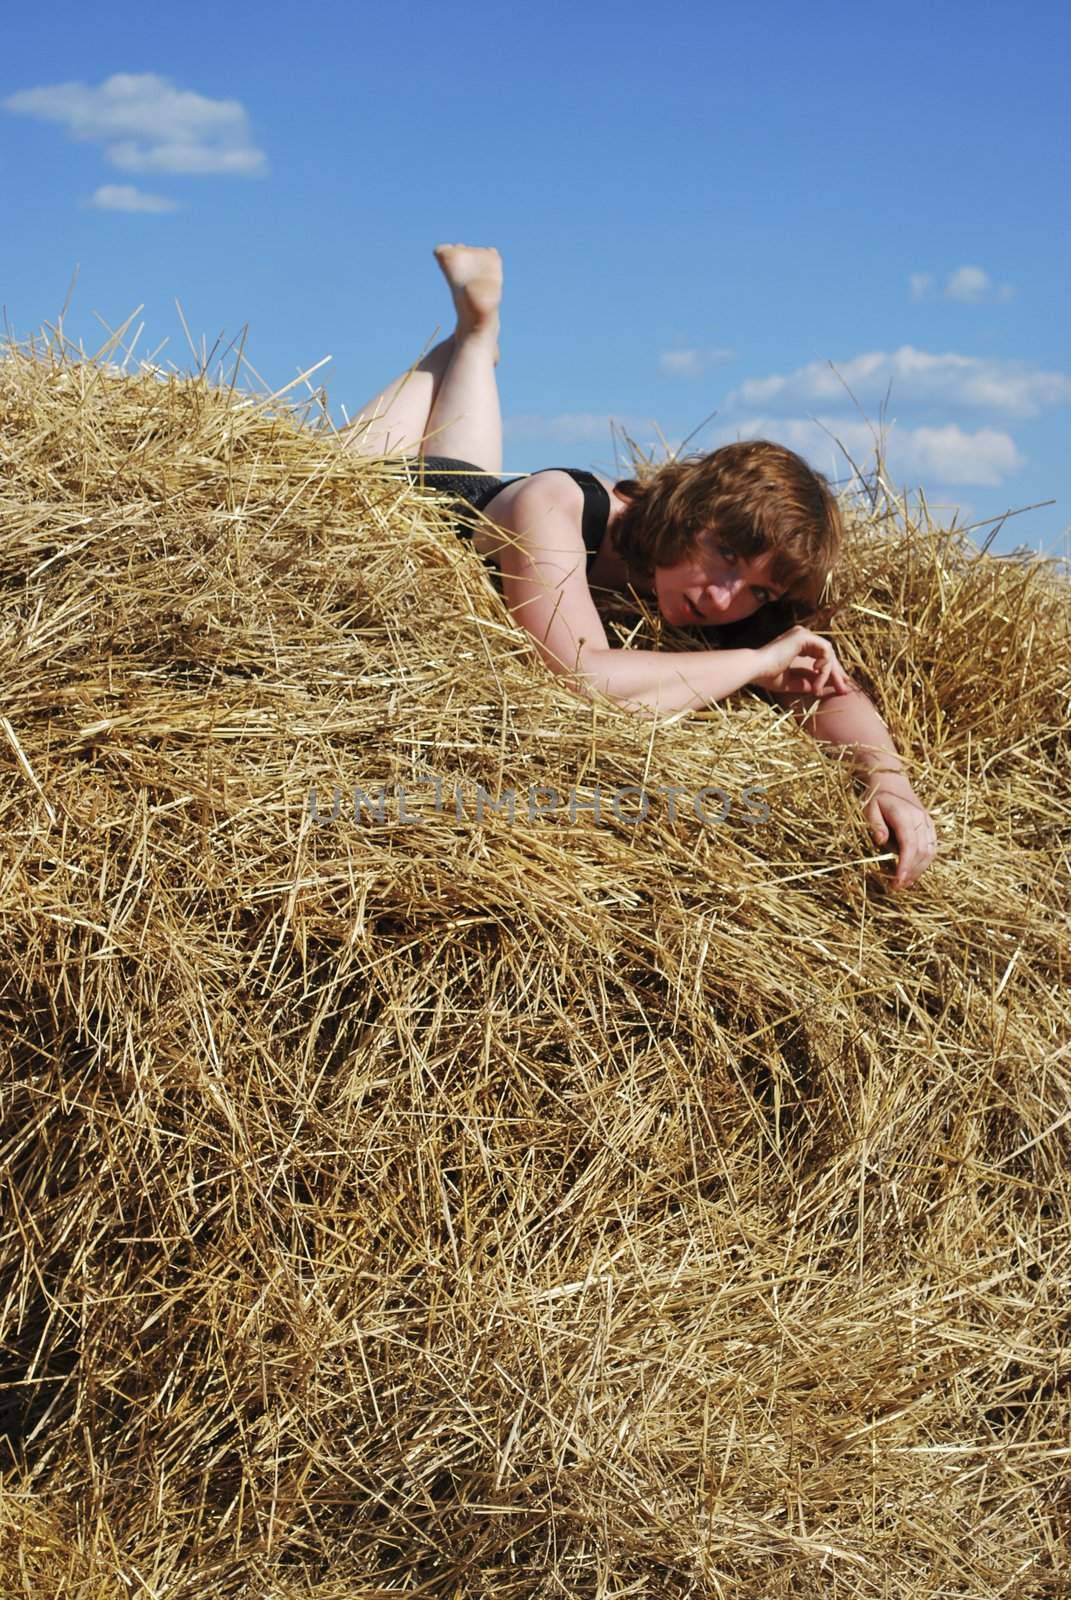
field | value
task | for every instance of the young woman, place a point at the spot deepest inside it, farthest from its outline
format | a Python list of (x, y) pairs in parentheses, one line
[(713, 540)]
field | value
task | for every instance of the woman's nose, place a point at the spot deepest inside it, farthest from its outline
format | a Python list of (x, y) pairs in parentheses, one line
[(721, 595)]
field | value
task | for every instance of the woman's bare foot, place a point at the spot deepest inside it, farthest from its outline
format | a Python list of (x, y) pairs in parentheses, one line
[(475, 279)]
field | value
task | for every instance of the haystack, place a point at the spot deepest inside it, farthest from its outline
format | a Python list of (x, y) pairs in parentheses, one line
[(401, 1197)]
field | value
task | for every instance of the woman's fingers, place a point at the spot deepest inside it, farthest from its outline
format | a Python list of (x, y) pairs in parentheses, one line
[(822, 664), (814, 668), (832, 679)]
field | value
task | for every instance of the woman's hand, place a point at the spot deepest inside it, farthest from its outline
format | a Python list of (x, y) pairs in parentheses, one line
[(892, 807), (800, 662)]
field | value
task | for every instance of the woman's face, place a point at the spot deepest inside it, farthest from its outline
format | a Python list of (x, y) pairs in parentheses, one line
[(713, 585)]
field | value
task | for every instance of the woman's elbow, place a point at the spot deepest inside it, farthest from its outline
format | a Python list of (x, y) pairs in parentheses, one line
[(587, 673), (568, 660)]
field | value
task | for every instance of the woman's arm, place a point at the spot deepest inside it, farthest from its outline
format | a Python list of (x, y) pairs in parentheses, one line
[(795, 660), (851, 725), (659, 681)]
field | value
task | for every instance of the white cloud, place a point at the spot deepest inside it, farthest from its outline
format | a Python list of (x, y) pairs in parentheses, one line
[(918, 378), (952, 456), (691, 363), (948, 455), (147, 125), (970, 285), (124, 197), (974, 286)]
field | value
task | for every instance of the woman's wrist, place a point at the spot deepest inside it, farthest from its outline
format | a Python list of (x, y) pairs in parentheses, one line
[(887, 777)]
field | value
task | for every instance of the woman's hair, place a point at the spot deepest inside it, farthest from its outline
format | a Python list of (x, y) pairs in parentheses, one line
[(754, 497)]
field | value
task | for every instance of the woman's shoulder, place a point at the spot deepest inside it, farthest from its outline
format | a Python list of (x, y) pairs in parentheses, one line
[(543, 505), (548, 489)]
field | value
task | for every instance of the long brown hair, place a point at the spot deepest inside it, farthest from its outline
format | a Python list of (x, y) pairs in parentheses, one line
[(754, 497)]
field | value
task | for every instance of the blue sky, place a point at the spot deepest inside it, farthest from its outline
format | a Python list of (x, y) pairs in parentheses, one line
[(702, 208)]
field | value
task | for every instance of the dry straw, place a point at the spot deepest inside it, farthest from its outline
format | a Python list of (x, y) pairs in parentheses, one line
[(465, 1208)]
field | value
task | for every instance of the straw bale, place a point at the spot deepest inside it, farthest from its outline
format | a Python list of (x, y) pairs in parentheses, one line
[(475, 1207)]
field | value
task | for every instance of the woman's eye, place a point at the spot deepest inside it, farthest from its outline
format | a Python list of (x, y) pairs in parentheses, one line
[(730, 555)]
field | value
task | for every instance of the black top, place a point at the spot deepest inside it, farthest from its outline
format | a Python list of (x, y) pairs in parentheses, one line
[(473, 488)]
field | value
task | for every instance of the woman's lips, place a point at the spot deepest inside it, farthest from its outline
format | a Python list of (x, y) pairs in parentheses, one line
[(694, 608)]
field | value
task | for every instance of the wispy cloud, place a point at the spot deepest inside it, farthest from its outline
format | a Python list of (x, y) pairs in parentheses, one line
[(974, 285), (947, 455), (147, 125), (124, 197), (572, 426), (692, 363), (971, 285), (591, 439), (918, 378)]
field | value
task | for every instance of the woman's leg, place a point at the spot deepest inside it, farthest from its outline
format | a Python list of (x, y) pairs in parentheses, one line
[(447, 405), (465, 419), (394, 423)]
